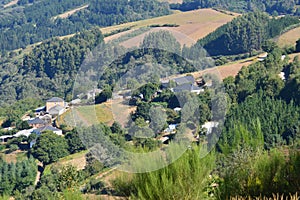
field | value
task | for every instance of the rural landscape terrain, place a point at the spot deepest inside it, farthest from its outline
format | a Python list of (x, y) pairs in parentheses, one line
[(149, 99)]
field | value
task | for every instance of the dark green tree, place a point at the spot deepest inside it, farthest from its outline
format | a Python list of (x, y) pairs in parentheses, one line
[(50, 147)]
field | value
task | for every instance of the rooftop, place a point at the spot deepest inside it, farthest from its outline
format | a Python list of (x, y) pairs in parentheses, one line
[(55, 99), (184, 80), (186, 87), (56, 108), (36, 121), (47, 128)]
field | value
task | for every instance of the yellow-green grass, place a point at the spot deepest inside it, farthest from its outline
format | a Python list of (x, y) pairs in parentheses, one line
[(77, 160), (14, 157), (289, 38), (88, 115)]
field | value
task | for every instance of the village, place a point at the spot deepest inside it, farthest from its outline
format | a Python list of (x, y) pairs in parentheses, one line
[(45, 117)]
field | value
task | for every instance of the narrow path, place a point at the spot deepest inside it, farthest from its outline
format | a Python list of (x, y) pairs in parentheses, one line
[(39, 173)]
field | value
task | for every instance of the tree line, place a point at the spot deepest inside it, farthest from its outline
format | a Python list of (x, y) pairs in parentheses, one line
[(34, 23), (272, 7), (245, 34)]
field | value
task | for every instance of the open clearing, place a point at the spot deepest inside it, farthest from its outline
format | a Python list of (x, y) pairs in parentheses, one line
[(114, 110), (77, 160), (229, 69), (193, 25), (233, 68), (14, 156), (71, 12), (14, 2), (289, 38), (87, 115)]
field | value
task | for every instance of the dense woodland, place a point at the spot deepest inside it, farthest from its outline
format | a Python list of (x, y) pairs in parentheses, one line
[(31, 23), (277, 7), (245, 34)]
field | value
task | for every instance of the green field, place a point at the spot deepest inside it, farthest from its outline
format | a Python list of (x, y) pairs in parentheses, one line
[(87, 115), (77, 160)]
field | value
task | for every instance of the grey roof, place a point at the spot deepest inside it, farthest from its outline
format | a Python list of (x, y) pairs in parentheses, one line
[(46, 128), (184, 80), (56, 108), (55, 99), (186, 87), (36, 121)]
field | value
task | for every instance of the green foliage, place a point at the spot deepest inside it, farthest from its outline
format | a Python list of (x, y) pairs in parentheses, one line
[(68, 178), (74, 142), (13, 113), (93, 166), (276, 118), (61, 183), (49, 148), (239, 137), (13, 147), (105, 95), (246, 33), (148, 90), (272, 7), (186, 178), (36, 22), (49, 69), (249, 173), (17, 176)]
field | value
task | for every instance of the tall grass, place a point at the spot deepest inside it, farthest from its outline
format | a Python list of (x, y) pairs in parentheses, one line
[(186, 178), (261, 173), (274, 197)]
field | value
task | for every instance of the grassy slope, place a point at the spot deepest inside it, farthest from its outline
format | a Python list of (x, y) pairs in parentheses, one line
[(193, 25), (88, 115), (77, 160), (289, 38)]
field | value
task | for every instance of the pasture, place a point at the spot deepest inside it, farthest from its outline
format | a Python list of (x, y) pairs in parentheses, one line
[(289, 38), (193, 25)]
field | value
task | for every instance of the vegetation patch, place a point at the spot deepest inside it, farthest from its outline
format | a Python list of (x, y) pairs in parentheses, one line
[(289, 38)]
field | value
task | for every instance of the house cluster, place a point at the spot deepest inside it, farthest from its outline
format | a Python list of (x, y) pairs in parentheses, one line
[(43, 120), (184, 83)]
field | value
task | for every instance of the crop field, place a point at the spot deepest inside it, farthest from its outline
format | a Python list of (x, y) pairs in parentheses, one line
[(193, 25)]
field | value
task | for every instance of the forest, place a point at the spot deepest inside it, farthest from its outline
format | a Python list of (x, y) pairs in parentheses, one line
[(246, 34), (31, 23), (278, 7)]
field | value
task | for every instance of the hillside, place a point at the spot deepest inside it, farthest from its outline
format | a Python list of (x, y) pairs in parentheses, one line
[(28, 23), (246, 34), (279, 7), (289, 38), (192, 25)]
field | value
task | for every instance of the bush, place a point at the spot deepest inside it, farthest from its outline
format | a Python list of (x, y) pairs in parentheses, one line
[(263, 172), (186, 178), (13, 147), (2, 147)]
